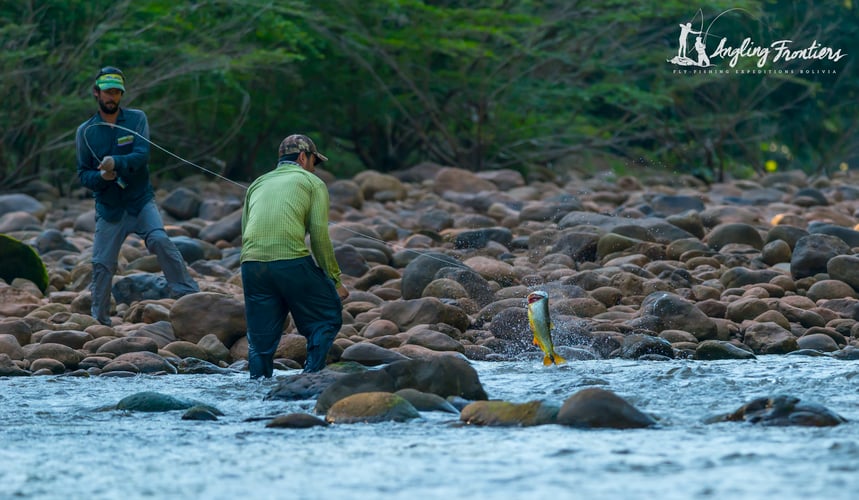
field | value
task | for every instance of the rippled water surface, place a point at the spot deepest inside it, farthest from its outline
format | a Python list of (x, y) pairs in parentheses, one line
[(53, 445)]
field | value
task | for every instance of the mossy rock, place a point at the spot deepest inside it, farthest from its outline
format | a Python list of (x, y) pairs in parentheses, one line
[(18, 260)]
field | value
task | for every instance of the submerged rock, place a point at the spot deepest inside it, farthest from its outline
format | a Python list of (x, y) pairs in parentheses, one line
[(595, 407), (503, 413), (781, 410), (149, 401), (296, 421), (371, 407)]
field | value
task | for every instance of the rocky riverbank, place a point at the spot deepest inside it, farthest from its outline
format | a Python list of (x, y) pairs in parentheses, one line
[(439, 261)]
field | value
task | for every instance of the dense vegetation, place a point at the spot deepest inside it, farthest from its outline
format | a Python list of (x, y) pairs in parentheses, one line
[(385, 84)]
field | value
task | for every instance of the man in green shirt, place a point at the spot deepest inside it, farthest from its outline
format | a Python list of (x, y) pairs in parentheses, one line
[(279, 275)]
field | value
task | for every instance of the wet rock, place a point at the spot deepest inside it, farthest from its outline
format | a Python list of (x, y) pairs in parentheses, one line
[(304, 385), (503, 413), (782, 410), (818, 342), (424, 401), (140, 286), (371, 407), (296, 421), (636, 345), (9, 369), (444, 376), (190, 365), (51, 366), (718, 349), (149, 401), (848, 353), (601, 408), (204, 413)]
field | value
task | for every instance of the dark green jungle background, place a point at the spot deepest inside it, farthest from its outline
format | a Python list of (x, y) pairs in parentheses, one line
[(386, 84)]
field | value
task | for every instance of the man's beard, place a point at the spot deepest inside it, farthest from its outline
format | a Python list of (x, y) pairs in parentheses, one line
[(108, 107)]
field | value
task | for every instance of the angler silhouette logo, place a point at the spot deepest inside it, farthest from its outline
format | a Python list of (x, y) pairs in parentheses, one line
[(699, 56)]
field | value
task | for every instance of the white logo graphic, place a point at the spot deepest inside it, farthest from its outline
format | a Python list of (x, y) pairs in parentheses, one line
[(780, 50)]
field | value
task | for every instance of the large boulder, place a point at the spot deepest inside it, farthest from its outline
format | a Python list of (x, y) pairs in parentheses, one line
[(196, 315)]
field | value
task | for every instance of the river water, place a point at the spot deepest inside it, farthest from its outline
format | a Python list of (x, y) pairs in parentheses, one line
[(54, 445)]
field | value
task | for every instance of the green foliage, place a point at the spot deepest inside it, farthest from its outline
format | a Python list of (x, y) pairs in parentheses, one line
[(18, 260), (385, 84)]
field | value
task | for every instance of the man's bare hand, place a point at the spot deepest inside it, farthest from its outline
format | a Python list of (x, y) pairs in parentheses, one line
[(108, 176), (107, 164), (342, 292)]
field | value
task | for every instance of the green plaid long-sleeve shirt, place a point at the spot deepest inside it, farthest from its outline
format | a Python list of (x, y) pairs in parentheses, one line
[(281, 207)]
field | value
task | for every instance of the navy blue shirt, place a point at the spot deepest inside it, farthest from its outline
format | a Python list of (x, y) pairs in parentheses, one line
[(131, 159)]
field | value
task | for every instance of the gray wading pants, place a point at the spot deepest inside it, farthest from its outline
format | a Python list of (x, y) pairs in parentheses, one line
[(109, 237)]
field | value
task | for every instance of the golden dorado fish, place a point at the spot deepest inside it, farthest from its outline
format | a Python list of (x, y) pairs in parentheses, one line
[(541, 326)]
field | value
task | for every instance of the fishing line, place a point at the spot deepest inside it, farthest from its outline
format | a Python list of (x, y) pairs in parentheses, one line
[(138, 134)]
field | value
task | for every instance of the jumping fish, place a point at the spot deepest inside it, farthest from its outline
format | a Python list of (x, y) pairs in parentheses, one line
[(541, 326)]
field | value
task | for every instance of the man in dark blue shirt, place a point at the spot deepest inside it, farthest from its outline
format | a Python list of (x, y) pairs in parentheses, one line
[(113, 161)]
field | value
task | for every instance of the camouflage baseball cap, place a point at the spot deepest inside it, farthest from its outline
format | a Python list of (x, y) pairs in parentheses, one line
[(298, 143)]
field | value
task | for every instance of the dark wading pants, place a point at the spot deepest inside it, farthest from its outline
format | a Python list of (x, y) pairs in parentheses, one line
[(275, 289), (108, 240)]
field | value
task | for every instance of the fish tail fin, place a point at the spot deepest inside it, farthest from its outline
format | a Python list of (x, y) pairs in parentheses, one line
[(547, 360), (559, 360)]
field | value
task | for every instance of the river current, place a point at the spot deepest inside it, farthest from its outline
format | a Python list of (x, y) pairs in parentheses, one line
[(54, 445)]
